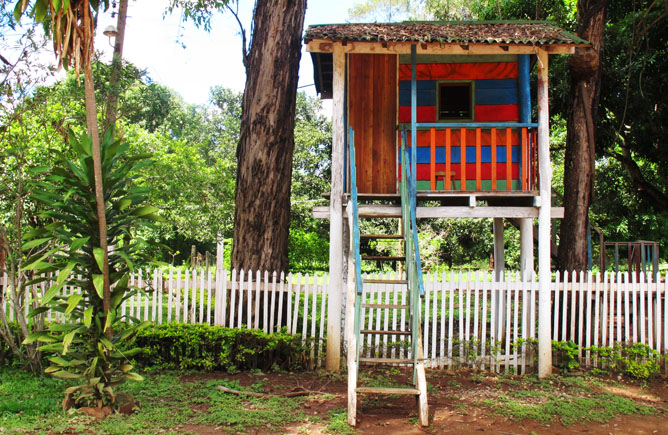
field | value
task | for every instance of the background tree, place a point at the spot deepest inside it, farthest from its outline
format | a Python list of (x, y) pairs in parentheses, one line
[(585, 73), (266, 143)]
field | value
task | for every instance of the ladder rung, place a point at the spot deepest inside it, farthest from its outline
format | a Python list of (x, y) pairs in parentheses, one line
[(381, 236), (388, 390), (375, 331), (385, 281), (386, 361), (386, 306), (382, 258)]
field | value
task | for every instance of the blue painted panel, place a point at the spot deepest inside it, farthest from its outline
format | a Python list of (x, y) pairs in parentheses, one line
[(424, 97), (424, 154), (525, 92), (422, 85), (496, 83), (496, 96)]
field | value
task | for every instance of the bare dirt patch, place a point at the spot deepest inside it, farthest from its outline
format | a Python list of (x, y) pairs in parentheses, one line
[(460, 402)]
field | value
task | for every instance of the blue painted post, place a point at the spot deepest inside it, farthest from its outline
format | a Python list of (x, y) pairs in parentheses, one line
[(525, 91), (414, 114), (525, 96)]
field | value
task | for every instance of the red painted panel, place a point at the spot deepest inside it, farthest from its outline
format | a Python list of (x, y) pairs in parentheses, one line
[(498, 112), (424, 171), (461, 71), (424, 113)]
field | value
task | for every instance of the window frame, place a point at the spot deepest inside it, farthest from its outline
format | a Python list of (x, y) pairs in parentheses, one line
[(471, 85)]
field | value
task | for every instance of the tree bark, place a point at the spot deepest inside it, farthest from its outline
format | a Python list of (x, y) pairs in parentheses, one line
[(116, 66), (580, 138), (266, 145), (91, 121)]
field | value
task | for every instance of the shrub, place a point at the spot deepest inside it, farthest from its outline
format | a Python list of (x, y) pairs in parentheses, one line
[(565, 355), (205, 347), (636, 360)]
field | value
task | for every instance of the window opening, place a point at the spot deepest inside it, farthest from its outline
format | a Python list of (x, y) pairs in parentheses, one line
[(455, 101)]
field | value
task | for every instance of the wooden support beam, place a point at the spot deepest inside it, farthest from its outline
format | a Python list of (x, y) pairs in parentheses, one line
[(391, 211), (333, 358), (526, 248), (327, 46), (499, 251), (544, 212)]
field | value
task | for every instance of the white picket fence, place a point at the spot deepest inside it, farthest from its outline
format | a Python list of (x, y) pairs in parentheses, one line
[(467, 318)]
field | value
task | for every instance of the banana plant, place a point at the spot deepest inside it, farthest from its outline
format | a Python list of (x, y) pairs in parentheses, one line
[(90, 346)]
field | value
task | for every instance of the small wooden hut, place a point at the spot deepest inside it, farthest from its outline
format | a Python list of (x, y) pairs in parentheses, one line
[(462, 92)]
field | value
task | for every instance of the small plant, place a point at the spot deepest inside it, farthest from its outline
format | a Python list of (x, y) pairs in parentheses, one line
[(338, 422), (93, 344), (566, 355), (637, 360)]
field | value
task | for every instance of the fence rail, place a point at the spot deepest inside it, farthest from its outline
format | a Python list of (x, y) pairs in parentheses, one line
[(467, 318)]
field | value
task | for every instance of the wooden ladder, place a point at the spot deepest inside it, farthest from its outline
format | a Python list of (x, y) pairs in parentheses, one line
[(413, 284)]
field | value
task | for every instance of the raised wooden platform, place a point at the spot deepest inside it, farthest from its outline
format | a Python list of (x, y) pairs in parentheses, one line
[(394, 211)]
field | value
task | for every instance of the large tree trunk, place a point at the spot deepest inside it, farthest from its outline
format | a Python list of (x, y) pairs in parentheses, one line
[(585, 70), (264, 154)]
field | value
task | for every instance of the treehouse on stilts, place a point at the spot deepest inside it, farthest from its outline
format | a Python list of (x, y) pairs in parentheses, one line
[(431, 113)]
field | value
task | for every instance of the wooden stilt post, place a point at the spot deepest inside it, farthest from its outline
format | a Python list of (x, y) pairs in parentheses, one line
[(545, 174), (333, 358), (499, 253), (526, 248), (499, 269)]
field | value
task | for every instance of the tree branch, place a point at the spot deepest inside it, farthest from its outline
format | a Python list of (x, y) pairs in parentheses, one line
[(638, 180), (244, 48)]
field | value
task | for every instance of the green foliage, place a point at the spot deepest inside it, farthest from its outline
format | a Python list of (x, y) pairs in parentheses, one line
[(307, 251), (565, 353), (638, 360), (86, 346), (205, 347)]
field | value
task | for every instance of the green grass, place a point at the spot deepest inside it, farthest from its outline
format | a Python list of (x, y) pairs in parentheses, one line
[(598, 408), (576, 402), (338, 422), (32, 403)]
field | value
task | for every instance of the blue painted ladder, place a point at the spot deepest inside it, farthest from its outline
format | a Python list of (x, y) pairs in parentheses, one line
[(413, 283)]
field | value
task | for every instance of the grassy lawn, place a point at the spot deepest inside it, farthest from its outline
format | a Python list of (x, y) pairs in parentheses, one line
[(168, 405), (177, 402)]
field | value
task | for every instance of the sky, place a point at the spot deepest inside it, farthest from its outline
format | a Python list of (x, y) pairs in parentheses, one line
[(190, 60)]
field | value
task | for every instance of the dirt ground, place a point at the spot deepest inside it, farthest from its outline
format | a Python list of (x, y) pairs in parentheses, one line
[(455, 404)]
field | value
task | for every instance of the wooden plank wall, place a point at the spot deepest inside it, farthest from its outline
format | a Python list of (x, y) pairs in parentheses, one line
[(372, 112)]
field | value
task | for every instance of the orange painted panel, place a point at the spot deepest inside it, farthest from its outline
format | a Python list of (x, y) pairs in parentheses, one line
[(424, 137)]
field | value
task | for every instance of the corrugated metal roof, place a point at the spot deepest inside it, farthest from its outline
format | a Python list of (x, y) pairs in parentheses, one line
[(460, 32)]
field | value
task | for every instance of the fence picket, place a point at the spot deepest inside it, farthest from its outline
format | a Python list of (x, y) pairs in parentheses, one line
[(289, 310), (323, 308), (265, 302), (273, 303), (280, 301), (485, 337)]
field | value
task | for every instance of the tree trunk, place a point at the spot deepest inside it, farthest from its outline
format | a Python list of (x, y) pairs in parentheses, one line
[(579, 160), (116, 66), (91, 121), (266, 145)]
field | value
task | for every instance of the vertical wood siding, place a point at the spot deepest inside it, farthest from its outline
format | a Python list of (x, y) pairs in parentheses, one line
[(372, 103)]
